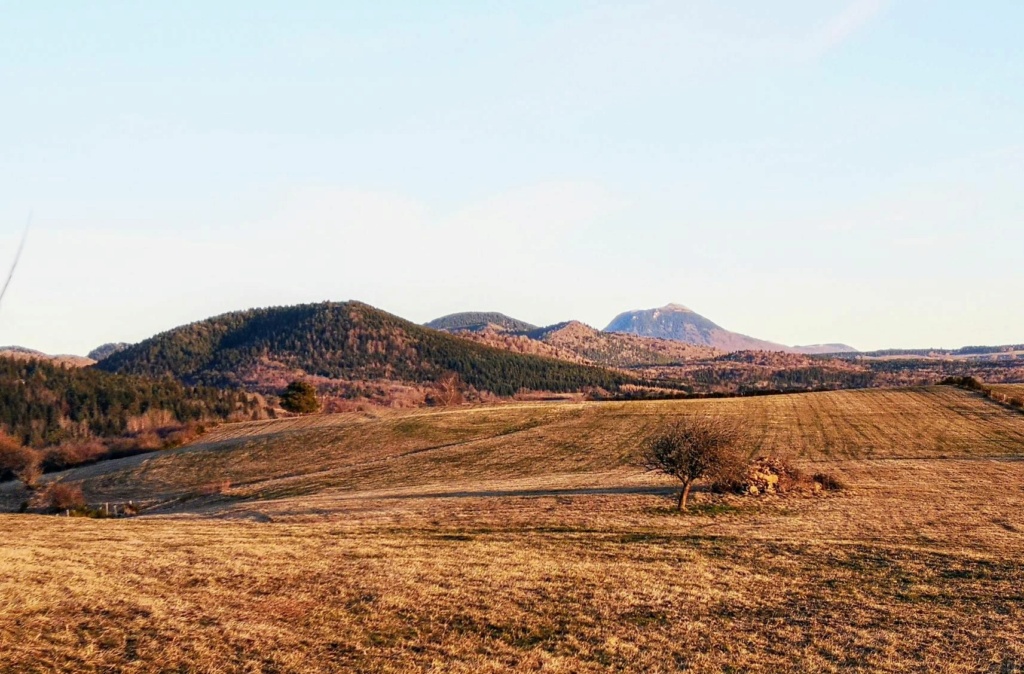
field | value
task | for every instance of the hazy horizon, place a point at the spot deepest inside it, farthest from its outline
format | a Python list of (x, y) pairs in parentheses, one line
[(814, 172)]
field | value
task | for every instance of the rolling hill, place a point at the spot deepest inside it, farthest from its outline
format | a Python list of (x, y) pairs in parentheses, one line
[(676, 322), (580, 343), (618, 349), (348, 346), (332, 456), (22, 353), (507, 538)]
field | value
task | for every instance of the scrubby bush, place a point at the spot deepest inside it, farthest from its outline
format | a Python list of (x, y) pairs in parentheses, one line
[(695, 447), (19, 463), (300, 397), (58, 497), (73, 454)]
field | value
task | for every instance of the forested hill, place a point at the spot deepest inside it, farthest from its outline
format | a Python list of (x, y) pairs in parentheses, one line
[(478, 320), (43, 403), (350, 341)]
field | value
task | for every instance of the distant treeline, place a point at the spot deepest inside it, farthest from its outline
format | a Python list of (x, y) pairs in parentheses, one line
[(344, 341), (964, 351), (43, 404)]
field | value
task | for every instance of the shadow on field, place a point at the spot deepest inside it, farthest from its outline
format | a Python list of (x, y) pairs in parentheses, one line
[(512, 493)]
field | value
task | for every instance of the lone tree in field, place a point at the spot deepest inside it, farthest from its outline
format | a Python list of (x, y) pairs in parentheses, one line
[(694, 447), (300, 397)]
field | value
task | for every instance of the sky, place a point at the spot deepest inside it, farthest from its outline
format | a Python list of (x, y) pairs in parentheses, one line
[(802, 171)]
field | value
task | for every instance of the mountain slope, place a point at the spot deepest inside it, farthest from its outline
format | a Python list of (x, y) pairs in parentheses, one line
[(340, 342), (45, 403), (477, 320), (615, 349), (22, 353), (107, 350)]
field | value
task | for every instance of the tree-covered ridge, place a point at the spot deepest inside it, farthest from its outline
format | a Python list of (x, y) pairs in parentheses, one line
[(478, 320), (46, 404), (343, 341)]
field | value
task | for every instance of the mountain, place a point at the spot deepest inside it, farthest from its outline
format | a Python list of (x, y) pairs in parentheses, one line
[(22, 353), (822, 349), (101, 352), (478, 320), (676, 322), (349, 347)]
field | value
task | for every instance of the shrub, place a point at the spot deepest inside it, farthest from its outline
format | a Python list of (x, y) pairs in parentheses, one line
[(20, 463), (74, 454), (59, 496), (300, 397)]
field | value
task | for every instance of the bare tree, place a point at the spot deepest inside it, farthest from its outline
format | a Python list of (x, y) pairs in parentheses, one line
[(696, 446), (448, 389)]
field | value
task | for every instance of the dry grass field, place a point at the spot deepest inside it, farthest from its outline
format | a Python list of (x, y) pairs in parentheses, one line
[(522, 538), (1009, 389)]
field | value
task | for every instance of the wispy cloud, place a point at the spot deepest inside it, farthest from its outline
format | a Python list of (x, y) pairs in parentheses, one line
[(842, 26)]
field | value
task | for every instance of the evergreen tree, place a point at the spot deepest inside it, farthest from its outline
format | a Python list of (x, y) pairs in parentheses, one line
[(300, 397)]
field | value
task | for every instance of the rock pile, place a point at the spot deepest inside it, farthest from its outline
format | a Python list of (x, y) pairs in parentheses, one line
[(770, 475)]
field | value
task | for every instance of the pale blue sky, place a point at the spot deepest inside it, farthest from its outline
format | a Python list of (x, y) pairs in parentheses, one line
[(800, 170)]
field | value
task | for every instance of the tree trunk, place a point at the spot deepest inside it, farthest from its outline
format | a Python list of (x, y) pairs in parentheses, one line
[(684, 495)]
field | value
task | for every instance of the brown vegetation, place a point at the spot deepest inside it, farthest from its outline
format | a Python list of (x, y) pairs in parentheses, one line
[(18, 462), (693, 447), (57, 497), (448, 390), (524, 538)]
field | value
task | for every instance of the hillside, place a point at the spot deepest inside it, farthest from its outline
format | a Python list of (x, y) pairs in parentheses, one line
[(107, 350), (579, 343), (679, 323), (618, 349), (333, 455), (45, 404), (478, 320), (350, 348), (22, 353)]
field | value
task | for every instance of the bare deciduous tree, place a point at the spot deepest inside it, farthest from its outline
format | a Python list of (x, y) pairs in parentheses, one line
[(694, 447), (448, 389)]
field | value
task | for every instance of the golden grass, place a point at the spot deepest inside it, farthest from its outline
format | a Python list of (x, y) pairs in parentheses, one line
[(521, 538), (1008, 389)]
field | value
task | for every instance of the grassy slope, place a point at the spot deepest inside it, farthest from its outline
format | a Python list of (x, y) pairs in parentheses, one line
[(914, 567), (538, 441), (1009, 389)]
